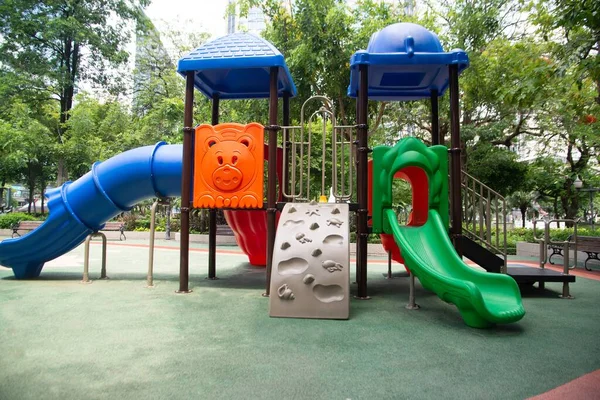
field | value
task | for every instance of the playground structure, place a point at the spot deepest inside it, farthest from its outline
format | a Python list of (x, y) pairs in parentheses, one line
[(221, 166)]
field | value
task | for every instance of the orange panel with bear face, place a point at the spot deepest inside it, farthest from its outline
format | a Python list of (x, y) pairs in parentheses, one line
[(228, 166)]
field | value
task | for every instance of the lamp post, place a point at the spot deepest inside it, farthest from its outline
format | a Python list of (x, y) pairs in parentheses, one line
[(579, 186)]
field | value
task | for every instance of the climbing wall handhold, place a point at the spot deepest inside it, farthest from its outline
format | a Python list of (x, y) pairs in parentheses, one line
[(335, 222)]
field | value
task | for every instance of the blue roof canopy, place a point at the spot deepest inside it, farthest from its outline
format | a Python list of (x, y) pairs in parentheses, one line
[(237, 66), (406, 62)]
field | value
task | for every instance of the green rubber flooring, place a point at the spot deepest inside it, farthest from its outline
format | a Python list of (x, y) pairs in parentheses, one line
[(117, 339)]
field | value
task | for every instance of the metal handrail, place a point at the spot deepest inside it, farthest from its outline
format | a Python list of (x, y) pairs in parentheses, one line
[(566, 243), (567, 246), (481, 183), (164, 202), (484, 208), (292, 194), (542, 241), (86, 257), (341, 194)]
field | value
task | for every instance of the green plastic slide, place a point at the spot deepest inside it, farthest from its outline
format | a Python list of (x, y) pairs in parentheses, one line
[(482, 298)]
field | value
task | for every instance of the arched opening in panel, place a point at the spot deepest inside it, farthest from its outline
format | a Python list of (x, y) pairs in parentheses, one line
[(410, 189)]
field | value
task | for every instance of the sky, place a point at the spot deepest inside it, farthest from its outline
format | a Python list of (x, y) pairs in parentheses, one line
[(199, 15)]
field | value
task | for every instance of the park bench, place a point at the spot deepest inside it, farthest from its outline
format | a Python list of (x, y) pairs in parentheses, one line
[(24, 226), (587, 244), (115, 226)]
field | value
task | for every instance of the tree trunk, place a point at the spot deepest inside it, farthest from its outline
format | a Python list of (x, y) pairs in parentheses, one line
[(2, 203), (71, 63), (31, 186), (42, 191), (555, 208), (523, 215)]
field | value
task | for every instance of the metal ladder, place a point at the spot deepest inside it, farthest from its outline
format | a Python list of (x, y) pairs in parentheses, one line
[(339, 148)]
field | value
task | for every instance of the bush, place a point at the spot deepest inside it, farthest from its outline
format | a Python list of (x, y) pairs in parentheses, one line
[(129, 221), (8, 220), (141, 223)]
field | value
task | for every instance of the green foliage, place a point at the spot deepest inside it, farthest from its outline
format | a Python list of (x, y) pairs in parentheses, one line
[(498, 168), (522, 85), (49, 47), (96, 132), (10, 219)]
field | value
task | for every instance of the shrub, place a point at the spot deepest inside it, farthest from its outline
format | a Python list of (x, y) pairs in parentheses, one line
[(8, 220), (129, 221)]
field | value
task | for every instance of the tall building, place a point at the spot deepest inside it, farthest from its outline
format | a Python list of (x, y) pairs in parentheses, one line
[(150, 56), (254, 22)]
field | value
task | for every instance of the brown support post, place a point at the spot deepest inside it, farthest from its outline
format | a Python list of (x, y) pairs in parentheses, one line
[(356, 270), (435, 120), (286, 138), (362, 184), (455, 174), (272, 176), (212, 214), (186, 183)]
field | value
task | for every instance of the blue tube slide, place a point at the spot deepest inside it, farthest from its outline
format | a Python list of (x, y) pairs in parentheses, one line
[(82, 207)]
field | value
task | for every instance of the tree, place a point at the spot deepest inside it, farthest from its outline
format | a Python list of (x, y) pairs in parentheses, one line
[(573, 27), (523, 201), (9, 157), (58, 43), (97, 131), (547, 176), (498, 168), (32, 149)]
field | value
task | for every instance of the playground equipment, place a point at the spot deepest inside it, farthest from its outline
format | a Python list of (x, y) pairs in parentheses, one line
[(298, 150), (221, 166), (542, 275), (86, 257), (312, 260), (80, 208), (482, 298)]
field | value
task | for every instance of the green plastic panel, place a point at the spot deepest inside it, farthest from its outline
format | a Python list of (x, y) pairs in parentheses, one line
[(409, 152)]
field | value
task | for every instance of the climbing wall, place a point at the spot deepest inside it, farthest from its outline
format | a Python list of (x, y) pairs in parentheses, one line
[(310, 276)]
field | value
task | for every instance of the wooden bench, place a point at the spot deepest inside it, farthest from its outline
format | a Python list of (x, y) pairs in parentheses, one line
[(587, 244), (115, 226), (25, 226)]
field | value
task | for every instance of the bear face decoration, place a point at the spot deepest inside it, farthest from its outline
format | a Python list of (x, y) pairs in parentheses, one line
[(228, 166)]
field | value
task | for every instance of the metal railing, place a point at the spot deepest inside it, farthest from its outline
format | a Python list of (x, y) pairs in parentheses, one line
[(159, 202), (299, 151), (567, 245), (484, 216), (86, 257)]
